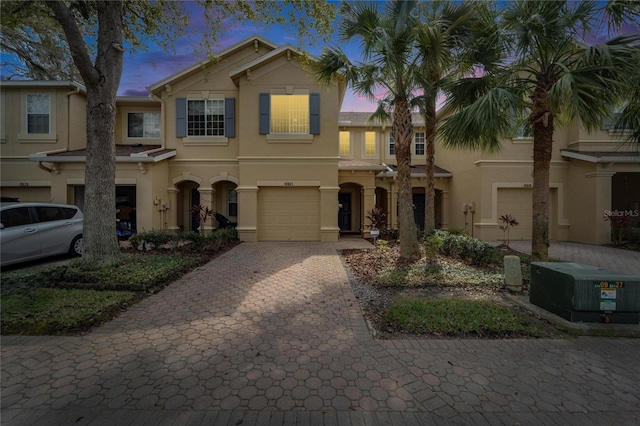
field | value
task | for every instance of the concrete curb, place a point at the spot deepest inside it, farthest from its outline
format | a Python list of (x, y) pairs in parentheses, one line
[(579, 328)]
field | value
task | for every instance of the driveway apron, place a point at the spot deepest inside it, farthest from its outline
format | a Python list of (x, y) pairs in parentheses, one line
[(271, 333)]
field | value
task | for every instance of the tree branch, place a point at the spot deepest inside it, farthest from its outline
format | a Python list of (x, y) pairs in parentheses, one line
[(77, 46)]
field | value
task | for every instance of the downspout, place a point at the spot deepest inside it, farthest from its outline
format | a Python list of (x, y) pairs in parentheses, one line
[(68, 95), (163, 123)]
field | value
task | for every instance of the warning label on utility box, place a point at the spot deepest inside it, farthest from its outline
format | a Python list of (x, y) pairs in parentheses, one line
[(608, 299)]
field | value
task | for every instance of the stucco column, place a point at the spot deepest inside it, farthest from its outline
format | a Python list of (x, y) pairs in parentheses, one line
[(445, 209), (214, 200), (329, 230), (205, 201), (368, 204), (170, 215), (247, 213), (602, 187)]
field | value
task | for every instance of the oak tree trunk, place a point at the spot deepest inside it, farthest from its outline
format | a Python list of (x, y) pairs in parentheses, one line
[(101, 78), (402, 131)]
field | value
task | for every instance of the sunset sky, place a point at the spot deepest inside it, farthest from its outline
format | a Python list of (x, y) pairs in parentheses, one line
[(145, 68)]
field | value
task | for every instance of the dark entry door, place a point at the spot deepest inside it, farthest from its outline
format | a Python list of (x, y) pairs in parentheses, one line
[(195, 201), (418, 210), (344, 213)]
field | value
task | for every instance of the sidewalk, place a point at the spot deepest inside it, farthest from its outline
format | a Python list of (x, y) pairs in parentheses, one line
[(271, 333), (613, 259)]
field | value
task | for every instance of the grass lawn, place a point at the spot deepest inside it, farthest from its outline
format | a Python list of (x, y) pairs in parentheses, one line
[(66, 299), (460, 318)]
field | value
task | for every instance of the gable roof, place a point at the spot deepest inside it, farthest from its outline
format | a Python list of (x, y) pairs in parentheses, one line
[(256, 40), (286, 49)]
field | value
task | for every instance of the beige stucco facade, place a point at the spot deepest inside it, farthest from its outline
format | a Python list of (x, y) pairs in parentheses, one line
[(310, 184)]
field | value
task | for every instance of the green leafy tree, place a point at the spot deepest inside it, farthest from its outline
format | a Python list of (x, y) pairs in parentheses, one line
[(453, 39), (89, 38), (386, 35), (550, 78)]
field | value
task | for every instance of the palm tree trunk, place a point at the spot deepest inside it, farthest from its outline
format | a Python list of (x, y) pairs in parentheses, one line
[(430, 140), (542, 150), (402, 131)]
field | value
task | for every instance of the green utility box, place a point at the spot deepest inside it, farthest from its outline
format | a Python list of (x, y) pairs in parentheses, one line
[(584, 293)]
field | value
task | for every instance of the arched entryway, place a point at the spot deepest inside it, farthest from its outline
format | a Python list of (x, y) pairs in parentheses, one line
[(187, 196)]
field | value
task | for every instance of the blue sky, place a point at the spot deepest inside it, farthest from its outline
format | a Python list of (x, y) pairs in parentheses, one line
[(142, 69)]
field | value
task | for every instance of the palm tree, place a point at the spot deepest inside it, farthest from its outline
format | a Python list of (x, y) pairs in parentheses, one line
[(551, 78), (386, 34), (453, 38)]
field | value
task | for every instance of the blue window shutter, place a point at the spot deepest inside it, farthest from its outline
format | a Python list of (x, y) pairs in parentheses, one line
[(181, 117), (230, 117), (314, 113), (265, 106)]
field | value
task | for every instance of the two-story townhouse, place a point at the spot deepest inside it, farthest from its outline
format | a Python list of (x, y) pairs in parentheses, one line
[(253, 136)]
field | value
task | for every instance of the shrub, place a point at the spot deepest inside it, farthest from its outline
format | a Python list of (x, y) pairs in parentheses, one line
[(156, 238), (455, 231), (467, 248), (389, 234), (225, 235), (432, 244), (196, 239), (632, 235)]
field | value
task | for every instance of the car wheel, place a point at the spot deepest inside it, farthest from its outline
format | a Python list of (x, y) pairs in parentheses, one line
[(76, 246)]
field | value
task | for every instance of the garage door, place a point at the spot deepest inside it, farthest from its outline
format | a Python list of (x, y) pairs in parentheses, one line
[(38, 194), (517, 203), (288, 214)]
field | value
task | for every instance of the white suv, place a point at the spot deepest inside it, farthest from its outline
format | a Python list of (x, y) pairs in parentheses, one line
[(31, 231)]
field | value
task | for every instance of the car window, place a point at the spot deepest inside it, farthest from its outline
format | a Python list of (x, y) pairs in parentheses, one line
[(15, 217), (48, 213), (68, 212)]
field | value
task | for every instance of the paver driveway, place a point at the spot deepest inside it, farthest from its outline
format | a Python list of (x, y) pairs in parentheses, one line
[(270, 333)]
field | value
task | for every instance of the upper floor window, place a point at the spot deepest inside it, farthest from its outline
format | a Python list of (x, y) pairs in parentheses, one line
[(419, 143), (370, 143), (392, 145), (38, 112), (215, 118), (205, 117), (345, 143), (143, 125), (291, 115)]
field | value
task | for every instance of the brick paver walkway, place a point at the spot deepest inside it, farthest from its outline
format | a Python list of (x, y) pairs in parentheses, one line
[(271, 333)]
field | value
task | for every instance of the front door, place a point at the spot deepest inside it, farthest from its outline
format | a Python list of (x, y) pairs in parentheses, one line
[(418, 210), (344, 213), (195, 201)]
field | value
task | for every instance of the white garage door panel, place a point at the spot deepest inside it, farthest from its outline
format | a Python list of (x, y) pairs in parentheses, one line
[(289, 214), (517, 203)]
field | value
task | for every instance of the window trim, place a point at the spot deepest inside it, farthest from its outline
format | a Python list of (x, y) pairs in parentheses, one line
[(128, 136), (231, 191), (265, 116), (340, 133), (181, 120), (375, 144), (415, 144), (26, 110)]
